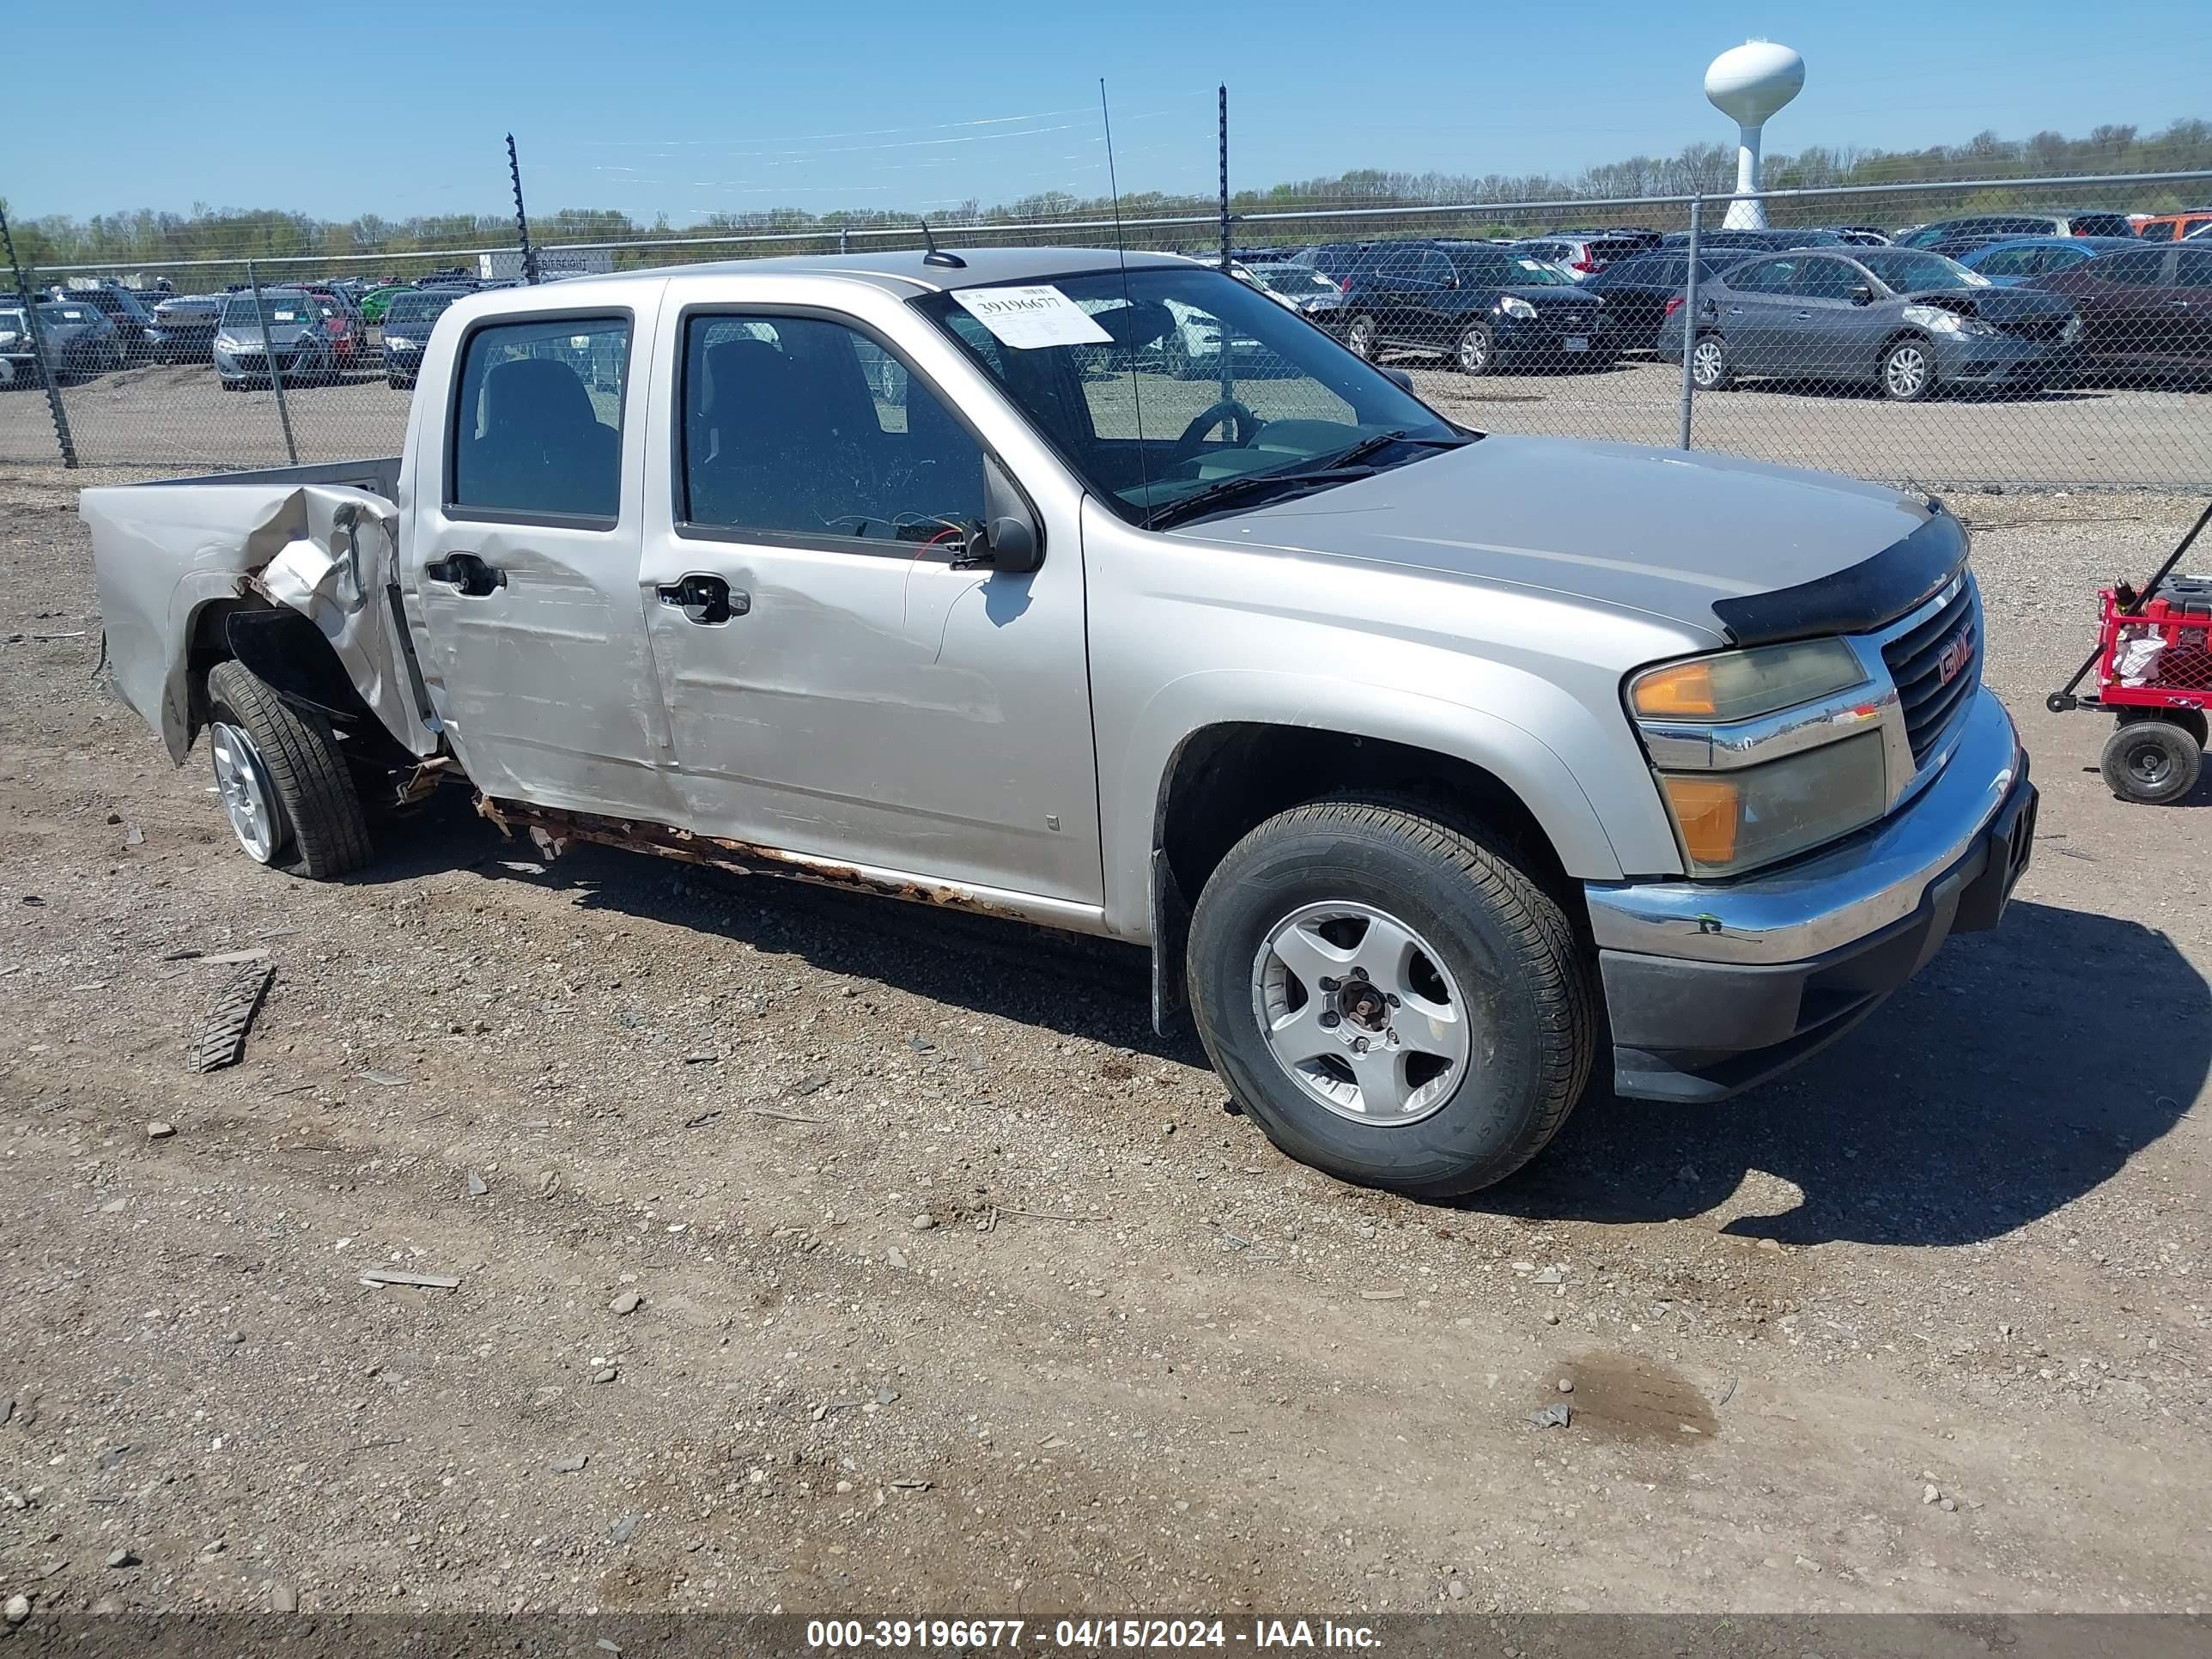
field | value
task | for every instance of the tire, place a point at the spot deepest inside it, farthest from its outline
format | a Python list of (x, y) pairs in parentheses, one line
[(1486, 937), (318, 828), (1475, 351), (1711, 367), (1363, 338), (2191, 721), (2152, 762), (1908, 370)]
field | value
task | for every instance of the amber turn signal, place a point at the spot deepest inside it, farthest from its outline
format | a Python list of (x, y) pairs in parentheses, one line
[(1708, 810), (1685, 689)]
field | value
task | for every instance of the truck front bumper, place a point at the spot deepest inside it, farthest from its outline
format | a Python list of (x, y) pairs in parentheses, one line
[(1712, 988)]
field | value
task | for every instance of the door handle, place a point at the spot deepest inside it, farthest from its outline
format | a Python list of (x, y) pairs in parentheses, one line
[(466, 572), (1735, 311), (1803, 316), (705, 599)]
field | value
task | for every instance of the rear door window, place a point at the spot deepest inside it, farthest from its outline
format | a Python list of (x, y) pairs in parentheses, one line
[(538, 420)]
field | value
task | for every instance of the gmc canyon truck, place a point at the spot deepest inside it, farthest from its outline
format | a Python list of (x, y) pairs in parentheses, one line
[(1441, 772)]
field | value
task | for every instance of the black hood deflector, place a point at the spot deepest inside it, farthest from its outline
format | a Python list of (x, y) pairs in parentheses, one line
[(1859, 598)]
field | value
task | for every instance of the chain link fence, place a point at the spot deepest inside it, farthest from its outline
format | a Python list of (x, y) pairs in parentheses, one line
[(2016, 332)]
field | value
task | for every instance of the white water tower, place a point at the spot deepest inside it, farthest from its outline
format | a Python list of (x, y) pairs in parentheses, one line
[(1748, 84)]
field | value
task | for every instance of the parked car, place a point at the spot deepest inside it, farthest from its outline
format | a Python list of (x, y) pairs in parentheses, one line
[(2010, 260), (288, 330), (2199, 233), (2066, 223), (1636, 292), (2176, 227), (376, 299), (410, 315), (1442, 773), (1910, 321), (341, 322), (188, 323), (1861, 235), (1482, 305), (1301, 288), (1722, 240), (2146, 313), (138, 337), (19, 353), (80, 341), (1582, 254)]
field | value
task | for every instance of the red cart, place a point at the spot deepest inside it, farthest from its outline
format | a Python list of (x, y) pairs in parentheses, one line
[(2154, 668)]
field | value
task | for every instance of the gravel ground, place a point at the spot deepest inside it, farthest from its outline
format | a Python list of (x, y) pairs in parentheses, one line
[(819, 1253), (178, 419)]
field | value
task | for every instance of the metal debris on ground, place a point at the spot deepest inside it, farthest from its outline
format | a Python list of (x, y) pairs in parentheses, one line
[(228, 958), (382, 1079), (376, 1276), (1553, 1417), (222, 1039)]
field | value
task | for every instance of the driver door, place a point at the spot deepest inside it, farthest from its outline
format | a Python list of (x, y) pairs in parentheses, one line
[(834, 684)]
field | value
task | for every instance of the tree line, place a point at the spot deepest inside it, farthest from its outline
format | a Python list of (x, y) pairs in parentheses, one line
[(148, 237)]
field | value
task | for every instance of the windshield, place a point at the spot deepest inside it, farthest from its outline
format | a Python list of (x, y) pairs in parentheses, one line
[(1908, 271), (1128, 376), (67, 313), (282, 310), (1291, 279), (417, 310), (1517, 270)]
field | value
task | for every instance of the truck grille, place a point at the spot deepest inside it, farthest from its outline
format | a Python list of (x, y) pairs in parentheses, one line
[(1936, 664)]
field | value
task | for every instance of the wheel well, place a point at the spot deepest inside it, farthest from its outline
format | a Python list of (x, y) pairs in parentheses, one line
[(209, 644), (1227, 779), (1901, 334), (285, 649)]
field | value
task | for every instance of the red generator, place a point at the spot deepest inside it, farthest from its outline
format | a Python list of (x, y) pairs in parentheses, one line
[(2154, 668)]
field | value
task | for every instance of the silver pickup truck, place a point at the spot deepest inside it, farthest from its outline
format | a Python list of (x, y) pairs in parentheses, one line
[(1441, 771)]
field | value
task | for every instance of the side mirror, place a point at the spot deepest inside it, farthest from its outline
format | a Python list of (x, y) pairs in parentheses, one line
[(1397, 377), (1008, 539), (1862, 295)]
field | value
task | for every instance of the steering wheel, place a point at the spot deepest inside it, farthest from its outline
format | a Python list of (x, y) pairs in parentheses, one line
[(1243, 427)]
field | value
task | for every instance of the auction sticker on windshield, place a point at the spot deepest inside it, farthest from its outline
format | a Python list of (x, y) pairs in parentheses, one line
[(1028, 317)]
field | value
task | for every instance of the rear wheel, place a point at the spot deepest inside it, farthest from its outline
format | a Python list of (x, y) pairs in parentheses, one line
[(1908, 371), (1391, 996), (1712, 369), (2154, 761), (282, 779), (1363, 336)]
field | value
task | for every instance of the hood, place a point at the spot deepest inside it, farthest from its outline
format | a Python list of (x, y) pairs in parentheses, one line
[(1544, 294), (282, 333), (1738, 550)]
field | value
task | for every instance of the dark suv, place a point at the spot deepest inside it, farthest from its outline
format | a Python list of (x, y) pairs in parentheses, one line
[(1481, 303)]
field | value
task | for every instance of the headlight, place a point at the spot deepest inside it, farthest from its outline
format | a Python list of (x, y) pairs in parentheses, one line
[(1705, 721), (2071, 332), (1741, 685), (7, 336), (1936, 320), (224, 343), (1514, 306), (1730, 822), (404, 345)]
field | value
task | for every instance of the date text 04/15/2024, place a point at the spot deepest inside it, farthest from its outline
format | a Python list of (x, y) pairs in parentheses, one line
[(1088, 1634)]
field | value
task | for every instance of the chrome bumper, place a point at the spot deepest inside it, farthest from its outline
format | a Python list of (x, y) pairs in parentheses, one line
[(1872, 881)]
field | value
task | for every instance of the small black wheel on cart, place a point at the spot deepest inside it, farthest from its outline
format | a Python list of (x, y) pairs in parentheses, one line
[(2152, 761)]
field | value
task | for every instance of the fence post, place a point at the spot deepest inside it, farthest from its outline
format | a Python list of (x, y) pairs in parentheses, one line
[(1690, 320), (1224, 178), (268, 356), (39, 350)]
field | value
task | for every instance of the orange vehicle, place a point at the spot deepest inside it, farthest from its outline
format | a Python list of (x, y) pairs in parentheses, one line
[(2172, 226)]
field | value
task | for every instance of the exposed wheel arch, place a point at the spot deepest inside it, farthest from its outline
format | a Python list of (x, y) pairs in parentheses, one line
[(1226, 779)]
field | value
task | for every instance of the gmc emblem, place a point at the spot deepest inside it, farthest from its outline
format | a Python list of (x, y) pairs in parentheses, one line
[(1956, 655)]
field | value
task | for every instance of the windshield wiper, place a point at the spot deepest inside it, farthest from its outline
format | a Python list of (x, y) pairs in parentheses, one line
[(1249, 484), (1381, 440)]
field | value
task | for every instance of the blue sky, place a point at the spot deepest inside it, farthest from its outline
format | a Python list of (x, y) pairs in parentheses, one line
[(688, 109)]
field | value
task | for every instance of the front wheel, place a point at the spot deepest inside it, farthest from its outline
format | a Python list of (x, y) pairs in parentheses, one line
[(1908, 371), (1364, 337), (1391, 996), (1475, 350), (281, 779)]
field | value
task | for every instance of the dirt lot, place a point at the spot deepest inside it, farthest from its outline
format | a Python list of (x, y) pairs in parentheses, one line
[(1922, 1327), (178, 419)]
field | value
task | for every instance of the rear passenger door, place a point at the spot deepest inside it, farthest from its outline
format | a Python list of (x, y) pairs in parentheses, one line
[(837, 685), (521, 573)]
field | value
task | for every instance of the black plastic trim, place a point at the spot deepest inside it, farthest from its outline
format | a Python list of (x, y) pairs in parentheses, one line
[(1858, 599)]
